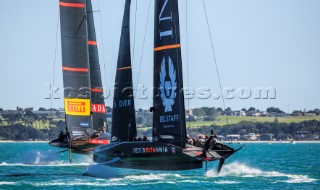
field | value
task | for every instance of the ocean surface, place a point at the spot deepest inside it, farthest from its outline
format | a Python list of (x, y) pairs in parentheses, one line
[(256, 166)]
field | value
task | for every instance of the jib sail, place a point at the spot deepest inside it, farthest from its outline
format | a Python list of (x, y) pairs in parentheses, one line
[(123, 114)]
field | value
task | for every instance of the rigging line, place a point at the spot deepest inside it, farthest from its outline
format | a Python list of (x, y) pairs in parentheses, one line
[(187, 46), (54, 61), (135, 31), (103, 55), (132, 61), (214, 56), (89, 156), (182, 106), (103, 49), (144, 40)]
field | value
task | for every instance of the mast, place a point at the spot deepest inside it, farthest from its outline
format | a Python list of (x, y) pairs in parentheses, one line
[(169, 110), (75, 66), (98, 108), (123, 112)]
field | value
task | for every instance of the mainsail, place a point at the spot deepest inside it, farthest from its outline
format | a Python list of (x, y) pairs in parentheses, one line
[(169, 109), (75, 66), (98, 108), (123, 113)]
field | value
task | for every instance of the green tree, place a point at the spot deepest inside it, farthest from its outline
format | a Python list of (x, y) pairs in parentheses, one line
[(274, 110), (252, 109), (228, 109), (219, 109), (199, 112), (42, 109)]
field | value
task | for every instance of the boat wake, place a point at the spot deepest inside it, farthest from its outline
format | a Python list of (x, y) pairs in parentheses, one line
[(47, 164), (38, 158), (35, 157), (100, 171), (241, 170), (46, 158)]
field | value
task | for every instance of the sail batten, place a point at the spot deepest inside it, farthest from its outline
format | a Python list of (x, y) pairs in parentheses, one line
[(74, 5), (92, 42), (85, 70), (167, 47)]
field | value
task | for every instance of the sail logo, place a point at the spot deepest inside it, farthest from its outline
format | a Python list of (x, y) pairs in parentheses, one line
[(85, 124), (150, 150), (98, 108), (162, 18), (168, 85), (77, 107), (98, 141)]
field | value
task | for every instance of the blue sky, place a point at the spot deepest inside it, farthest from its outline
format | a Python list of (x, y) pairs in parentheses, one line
[(258, 44)]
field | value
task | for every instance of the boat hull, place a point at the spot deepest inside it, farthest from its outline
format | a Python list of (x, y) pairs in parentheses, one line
[(82, 148), (149, 156)]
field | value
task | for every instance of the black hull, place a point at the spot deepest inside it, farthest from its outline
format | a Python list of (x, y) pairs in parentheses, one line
[(81, 149), (156, 156)]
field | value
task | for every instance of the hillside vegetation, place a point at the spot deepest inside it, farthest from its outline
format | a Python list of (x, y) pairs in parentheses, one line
[(227, 120)]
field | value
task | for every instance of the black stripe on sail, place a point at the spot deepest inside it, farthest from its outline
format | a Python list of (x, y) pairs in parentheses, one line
[(169, 109), (123, 114)]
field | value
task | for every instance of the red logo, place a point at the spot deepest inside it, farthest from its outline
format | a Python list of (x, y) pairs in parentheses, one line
[(98, 108), (98, 141), (76, 106)]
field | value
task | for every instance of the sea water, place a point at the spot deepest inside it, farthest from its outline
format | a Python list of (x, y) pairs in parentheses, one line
[(256, 166)]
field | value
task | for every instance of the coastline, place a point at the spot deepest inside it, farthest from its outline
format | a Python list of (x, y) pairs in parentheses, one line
[(270, 142), (11, 141)]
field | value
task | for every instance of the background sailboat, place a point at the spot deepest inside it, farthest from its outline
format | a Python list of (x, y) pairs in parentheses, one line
[(83, 92)]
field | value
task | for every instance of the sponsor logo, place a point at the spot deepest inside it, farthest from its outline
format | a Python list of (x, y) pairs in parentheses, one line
[(98, 108), (150, 150), (85, 124), (169, 118), (168, 85), (77, 107), (114, 138), (122, 103), (98, 141), (77, 133), (163, 18)]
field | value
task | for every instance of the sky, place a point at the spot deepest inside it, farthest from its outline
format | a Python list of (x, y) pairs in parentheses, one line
[(258, 44)]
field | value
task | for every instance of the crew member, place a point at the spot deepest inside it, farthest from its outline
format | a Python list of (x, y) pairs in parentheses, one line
[(61, 136)]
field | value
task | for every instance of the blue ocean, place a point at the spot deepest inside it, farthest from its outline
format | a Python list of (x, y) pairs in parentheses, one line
[(256, 166)]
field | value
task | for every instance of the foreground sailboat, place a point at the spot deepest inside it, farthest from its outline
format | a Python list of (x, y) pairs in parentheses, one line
[(168, 149), (84, 103)]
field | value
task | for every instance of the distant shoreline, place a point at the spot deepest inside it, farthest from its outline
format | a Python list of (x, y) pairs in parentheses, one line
[(9, 141), (269, 142), (225, 142)]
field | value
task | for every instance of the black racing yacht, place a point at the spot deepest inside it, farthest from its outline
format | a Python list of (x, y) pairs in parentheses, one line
[(168, 149), (85, 109)]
